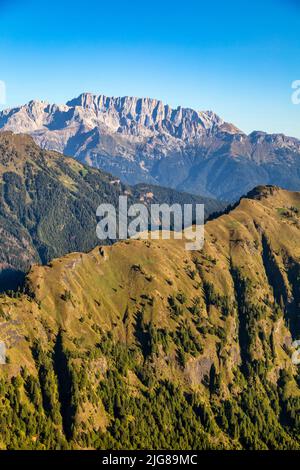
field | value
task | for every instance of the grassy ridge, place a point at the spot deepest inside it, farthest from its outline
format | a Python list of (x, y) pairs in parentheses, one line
[(145, 345), (48, 205)]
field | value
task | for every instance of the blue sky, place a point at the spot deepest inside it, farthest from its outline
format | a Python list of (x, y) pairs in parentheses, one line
[(237, 58)]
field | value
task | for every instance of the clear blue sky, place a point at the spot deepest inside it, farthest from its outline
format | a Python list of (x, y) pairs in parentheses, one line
[(237, 58)]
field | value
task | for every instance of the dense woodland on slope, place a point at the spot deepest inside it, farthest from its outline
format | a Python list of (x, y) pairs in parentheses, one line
[(143, 344), (48, 205)]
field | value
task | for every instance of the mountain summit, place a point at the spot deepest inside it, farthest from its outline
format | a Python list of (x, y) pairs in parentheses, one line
[(136, 117), (144, 140)]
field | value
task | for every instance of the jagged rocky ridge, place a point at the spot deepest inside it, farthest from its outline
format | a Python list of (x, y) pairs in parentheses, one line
[(143, 140)]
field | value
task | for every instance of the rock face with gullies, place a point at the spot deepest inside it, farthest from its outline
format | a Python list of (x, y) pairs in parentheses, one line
[(143, 140)]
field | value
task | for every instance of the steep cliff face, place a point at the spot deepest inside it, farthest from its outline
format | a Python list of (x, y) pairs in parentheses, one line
[(146, 345), (143, 140)]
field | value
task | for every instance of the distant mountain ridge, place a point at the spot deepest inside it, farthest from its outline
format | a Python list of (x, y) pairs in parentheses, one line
[(142, 140)]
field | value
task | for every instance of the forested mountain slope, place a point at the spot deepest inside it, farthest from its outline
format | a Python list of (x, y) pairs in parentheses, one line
[(143, 344), (48, 204)]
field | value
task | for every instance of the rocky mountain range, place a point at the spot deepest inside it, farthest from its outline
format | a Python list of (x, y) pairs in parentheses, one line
[(143, 140)]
